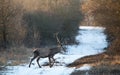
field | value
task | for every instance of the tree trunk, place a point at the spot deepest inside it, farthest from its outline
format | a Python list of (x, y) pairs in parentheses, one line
[(4, 37)]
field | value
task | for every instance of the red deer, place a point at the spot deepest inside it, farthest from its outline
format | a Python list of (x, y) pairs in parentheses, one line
[(47, 52)]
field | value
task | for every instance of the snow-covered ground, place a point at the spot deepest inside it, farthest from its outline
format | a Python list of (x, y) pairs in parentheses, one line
[(92, 41)]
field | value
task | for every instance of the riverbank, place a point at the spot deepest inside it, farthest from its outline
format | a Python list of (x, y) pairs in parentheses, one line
[(101, 64), (102, 59)]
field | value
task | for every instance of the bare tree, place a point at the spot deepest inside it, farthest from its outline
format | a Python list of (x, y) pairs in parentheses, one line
[(12, 29)]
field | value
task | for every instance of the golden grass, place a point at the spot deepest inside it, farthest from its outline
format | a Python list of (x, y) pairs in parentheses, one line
[(15, 56), (102, 64), (99, 70), (97, 60)]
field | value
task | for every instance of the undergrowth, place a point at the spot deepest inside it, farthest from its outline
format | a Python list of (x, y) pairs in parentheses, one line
[(99, 70), (15, 56)]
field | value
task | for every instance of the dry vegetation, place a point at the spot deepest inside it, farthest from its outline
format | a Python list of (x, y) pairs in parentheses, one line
[(49, 12), (100, 70), (107, 14), (97, 60), (102, 64), (32, 23), (15, 56)]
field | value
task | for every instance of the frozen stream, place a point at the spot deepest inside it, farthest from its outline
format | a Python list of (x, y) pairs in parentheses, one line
[(92, 41)]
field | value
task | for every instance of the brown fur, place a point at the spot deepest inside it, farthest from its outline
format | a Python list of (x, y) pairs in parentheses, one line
[(45, 52)]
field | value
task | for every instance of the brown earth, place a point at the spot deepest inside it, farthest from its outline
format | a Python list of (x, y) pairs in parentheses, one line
[(102, 59)]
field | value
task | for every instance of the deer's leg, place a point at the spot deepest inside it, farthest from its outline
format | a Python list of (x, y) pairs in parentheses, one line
[(38, 62), (32, 60), (50, 62), (53, 60)]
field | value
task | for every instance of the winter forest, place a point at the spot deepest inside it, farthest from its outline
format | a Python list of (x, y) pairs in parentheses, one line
[(89, 30)]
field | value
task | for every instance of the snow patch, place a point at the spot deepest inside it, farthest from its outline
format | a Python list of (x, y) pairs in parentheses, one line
[(91, 27), (85, 67), (92, 41)]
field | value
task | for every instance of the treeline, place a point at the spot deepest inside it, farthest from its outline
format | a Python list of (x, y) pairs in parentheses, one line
[(105, 13), (33, 23)]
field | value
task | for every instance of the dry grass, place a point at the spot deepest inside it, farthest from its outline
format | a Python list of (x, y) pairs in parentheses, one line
[(100, 70), (97, 60), (102, 64), (15, 56)]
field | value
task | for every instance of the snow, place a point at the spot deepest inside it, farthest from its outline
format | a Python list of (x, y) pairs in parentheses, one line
[(91, 27), (92, 41), (84, 67)]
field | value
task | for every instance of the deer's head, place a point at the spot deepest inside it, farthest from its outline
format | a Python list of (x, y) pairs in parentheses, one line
[(58, 41)]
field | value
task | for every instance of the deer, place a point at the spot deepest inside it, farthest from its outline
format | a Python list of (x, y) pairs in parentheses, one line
[(47, 53)]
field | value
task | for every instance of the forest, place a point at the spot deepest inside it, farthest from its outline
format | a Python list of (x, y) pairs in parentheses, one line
[(107, 14), (33, 24), (25, 25)]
